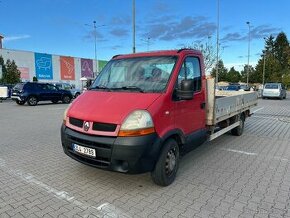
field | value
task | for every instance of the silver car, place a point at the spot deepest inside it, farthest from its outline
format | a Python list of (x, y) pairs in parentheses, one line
[(274, 90)]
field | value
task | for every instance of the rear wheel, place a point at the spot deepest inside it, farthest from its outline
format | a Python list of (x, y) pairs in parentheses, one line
[(32, 100), (167, 164), (238, 131), (66, 99), (20, 102)]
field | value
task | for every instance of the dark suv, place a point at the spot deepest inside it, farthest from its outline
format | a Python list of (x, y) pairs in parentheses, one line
[(35, 92)]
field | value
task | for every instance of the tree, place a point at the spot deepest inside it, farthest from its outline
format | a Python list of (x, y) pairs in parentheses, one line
[(3, 68), (10, 74), (208, 52), (222, 71), (277, 60), (233, 76), (244, 73)]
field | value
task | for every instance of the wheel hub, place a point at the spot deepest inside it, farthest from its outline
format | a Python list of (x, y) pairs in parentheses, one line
[(170, 161)]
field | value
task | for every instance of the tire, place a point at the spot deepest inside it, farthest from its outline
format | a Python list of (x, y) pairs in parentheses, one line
[(66, 99), (54, 101), (77, 94), (167, 164), (20, 102), (32, 100), (238, 131)]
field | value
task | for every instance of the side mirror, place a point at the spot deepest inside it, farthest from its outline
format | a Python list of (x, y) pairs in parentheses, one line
[(185, 91)]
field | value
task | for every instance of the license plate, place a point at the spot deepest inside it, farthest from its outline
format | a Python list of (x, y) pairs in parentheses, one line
[(84, 150)]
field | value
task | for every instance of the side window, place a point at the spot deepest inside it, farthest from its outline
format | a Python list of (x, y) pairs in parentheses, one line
[(51, 87), (191, 70)]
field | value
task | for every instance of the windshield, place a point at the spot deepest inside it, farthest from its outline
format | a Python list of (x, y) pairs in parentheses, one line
[(18, 86), (144, 74), (271, 86)]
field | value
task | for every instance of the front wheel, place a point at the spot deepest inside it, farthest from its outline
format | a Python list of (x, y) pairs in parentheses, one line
[(167, 164), (66, 99), (20, 102)]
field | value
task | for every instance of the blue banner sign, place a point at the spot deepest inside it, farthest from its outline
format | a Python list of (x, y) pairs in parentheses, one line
[(43, 66)]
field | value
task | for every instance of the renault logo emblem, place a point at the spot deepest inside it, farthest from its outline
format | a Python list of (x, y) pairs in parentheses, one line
[(86, 126)]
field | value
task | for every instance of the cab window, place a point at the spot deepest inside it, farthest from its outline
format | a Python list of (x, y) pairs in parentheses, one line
[(190, 70)]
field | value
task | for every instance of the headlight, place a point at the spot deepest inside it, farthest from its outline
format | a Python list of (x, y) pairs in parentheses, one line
[(65, 114), (137, 123)]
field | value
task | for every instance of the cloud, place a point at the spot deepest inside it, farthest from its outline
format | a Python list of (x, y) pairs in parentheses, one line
[(188, 27), (255, 33), (119, 32), (263, 31), (161, 7), (90, 36), (233, 37), (124, 20), (13, 38)]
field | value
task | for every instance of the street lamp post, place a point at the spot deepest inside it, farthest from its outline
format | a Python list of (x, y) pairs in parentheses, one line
[(264, 67), (217, 41), (249, 39), (95, 36), (95, 39), (133, 25)]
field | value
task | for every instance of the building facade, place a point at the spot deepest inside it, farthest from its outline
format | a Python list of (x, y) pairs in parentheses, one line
[(52, 68)]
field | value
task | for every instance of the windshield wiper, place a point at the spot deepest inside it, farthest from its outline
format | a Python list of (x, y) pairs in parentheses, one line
[(99, 87), (135, 88)]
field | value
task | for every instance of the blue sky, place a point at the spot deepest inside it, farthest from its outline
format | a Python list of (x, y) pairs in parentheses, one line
[(59, 26)]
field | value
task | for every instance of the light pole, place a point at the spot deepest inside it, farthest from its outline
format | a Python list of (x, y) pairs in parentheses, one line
[(217, 41), (133, 25), (95, 36), (249, 39), (264, 67), (95, 39)]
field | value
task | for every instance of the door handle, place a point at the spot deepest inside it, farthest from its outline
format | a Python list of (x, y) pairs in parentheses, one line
[(202, 105)]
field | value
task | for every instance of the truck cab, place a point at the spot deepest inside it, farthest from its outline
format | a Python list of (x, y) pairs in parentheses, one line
[(140, 114)]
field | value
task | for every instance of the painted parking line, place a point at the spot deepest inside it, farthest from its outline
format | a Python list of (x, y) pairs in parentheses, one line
[(255, 111), (256, 154), (104, 210), (239, 151)]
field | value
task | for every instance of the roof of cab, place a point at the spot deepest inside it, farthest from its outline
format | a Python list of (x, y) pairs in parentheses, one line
[(158, 53)]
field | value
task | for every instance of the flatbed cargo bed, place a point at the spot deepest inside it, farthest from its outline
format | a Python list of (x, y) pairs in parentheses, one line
[(222, 105)]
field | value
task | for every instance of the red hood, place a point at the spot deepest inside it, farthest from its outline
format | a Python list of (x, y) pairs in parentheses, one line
[(109, 107)]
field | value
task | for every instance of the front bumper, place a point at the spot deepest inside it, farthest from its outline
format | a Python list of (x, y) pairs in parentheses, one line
[(122, 154), (18, 97)]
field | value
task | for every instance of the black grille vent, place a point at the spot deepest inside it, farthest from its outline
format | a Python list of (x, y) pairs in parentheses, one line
[(105, 127), (76, 122)]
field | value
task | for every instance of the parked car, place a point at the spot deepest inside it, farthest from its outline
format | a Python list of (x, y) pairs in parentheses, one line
[(274, 90), (66, 86), (32, 93)]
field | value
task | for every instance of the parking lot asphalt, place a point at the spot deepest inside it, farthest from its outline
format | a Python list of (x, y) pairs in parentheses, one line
[(246, 176)]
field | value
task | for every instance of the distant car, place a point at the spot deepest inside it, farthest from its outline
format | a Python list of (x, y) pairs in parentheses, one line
[(245, 87), (233, 88), (274, 90), (66, 86), (32, 93)]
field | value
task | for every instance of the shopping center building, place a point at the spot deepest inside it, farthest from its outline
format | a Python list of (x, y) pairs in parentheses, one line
[(52, 68)]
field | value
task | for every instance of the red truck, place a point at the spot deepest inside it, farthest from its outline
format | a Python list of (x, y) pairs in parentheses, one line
[(145, 109)]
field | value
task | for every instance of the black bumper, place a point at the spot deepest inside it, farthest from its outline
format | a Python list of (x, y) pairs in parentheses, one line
[(122, 154)]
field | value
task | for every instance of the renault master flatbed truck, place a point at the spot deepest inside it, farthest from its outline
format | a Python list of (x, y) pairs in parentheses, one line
[(145, 109)]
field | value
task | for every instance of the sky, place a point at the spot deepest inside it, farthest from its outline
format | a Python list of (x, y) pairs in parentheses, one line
[(65, 27)]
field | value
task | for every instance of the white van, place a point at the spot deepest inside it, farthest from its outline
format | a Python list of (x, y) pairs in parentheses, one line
[(274, 90)]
